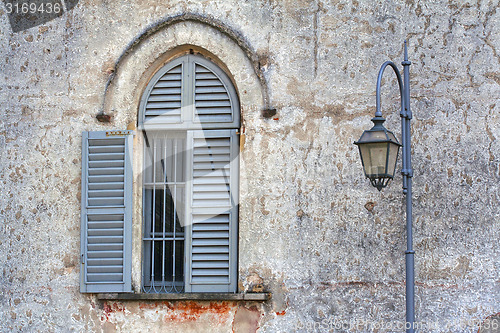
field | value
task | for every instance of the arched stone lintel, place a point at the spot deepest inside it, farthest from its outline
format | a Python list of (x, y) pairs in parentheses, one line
[(211, 22)]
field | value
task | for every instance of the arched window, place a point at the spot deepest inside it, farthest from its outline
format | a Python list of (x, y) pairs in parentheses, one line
[(189, 114)]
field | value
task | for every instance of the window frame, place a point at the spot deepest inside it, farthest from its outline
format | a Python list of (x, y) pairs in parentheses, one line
[(189, 123)]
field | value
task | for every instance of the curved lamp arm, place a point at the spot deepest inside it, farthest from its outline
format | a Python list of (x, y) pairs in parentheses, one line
[(378, 113)]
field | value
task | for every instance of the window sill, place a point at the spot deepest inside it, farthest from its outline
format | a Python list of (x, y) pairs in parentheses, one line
[(255, 297)]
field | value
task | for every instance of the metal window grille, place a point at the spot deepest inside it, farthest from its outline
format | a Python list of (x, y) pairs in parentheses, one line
[(164, 205)]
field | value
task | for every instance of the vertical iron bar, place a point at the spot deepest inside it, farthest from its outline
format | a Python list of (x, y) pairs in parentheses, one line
[(165, 140), (174, 224), (153, 217)]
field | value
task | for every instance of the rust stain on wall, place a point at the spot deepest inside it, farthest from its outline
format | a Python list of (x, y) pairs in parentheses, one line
[(190, 311), (109, 308)]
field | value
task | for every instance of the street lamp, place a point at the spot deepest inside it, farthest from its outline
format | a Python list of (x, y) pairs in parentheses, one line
[(379, 149)]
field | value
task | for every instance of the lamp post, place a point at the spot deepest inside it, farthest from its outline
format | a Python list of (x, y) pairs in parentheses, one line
[(379, 149)]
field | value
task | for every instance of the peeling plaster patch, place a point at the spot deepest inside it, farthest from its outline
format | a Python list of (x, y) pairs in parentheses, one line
[(246, 320)]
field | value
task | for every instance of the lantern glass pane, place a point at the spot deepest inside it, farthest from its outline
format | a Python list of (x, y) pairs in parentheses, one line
[(374, 157), (391, 137), (393, 156), (373, 136)]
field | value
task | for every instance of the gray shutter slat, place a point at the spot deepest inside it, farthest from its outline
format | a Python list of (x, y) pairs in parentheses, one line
[(171, 76), (105, 269), (107, 156), (215, 111), (106, 262), (164, 97), (167, 84), (106, 212), (165, 106), (211, 188), (106, 192), (207, 234), (209, 83), (103, 202), (110, 252), (210, 90), (212, 211), (213, 158), (100, 180), (215, 270), (211, 256), (95, 230), (203, 102), (106, 185), (105, 171), (97, 278), (106, 164), (213, 97), (209, 250), (220, 264)]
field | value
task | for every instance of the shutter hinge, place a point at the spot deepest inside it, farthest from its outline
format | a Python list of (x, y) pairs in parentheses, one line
[(241, 133), (119, 133)]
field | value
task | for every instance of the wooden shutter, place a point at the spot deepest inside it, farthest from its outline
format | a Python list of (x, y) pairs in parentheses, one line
[(106, 221), (162, 100), (212, 101), (211, 245), (215, 99)]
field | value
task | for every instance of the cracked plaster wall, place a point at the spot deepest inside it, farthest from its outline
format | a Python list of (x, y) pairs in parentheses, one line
[(329, 247)]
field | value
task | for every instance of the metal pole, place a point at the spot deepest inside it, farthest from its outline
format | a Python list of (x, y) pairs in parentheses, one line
[(407, 175), (407, 172)]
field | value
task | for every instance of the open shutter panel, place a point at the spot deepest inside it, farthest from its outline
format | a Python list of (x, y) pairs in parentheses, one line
[(212, 211), (106, 211)]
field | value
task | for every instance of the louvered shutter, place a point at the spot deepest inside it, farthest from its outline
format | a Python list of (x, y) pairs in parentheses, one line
[(162, 101), (106, 219), (211, 263), (212, 101)]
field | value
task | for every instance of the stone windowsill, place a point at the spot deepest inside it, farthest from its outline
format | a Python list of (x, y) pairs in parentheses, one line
[(256, 297)]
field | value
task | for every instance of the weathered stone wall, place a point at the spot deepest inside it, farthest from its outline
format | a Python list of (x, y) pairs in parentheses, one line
[(326, 244)]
